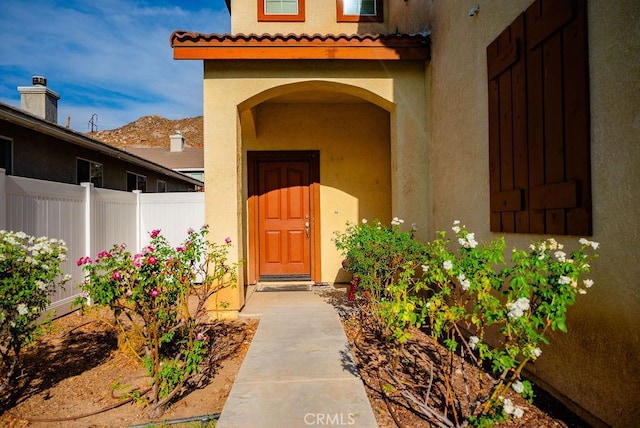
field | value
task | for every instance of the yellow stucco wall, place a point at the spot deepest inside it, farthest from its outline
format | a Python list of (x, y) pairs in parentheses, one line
[(320, 18), (596, 363), (399, 16), (388, 122)]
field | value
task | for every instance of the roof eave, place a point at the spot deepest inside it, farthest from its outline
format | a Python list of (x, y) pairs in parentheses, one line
[(198, 46), (225, 52)]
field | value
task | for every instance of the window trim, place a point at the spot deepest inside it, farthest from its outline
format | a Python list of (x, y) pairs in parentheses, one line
[(281, 17), (90, 177), (138, 176), (9, 141), (342, 17), (158, 186)]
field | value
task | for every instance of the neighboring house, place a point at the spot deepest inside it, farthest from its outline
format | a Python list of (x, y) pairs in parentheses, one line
[(519, 118), (33, 145), (187, 160)]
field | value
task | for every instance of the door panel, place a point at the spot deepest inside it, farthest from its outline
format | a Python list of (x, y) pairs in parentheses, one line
[(283, 219)]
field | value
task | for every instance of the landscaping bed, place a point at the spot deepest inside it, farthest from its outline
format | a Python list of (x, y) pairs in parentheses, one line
[(78, 369), (396, 395)]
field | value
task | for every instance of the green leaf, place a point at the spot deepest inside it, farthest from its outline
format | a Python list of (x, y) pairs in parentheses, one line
[(559, 324)]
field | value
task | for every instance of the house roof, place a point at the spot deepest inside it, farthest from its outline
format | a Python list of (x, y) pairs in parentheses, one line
[(188, 45), (190, 157), (27, 120)]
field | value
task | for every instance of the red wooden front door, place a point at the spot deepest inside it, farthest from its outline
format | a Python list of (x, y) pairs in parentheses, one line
[(284, 219)]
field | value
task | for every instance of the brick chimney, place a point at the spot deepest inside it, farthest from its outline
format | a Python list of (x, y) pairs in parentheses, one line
[(177, 142), (39, 100)]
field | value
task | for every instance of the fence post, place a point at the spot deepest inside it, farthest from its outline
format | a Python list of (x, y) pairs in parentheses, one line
[(138, 221), (88, 227), (3, 200)]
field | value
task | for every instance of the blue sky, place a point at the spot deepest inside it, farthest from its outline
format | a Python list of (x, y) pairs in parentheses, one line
[(111, 58)]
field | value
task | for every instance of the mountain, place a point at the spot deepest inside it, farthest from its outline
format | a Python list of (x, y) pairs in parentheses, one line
[(152, 131)]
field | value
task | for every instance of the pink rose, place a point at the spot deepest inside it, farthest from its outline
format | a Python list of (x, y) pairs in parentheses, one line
[(116, 275), (137, 260), (104, 255), (155, 233), (227, 240), (152, 260), (83, 261), (154, 292), (180, 249)]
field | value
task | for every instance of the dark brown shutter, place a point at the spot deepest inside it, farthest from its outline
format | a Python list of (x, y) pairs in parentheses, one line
[(507, 130), (561, 187), (539, 141)]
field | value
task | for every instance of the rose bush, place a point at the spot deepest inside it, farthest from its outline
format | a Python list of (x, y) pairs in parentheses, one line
[(469, 299), (381, 259), (501, 313), (162, 292)]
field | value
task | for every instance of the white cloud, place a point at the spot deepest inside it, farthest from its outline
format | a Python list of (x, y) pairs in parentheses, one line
[(110, 57)]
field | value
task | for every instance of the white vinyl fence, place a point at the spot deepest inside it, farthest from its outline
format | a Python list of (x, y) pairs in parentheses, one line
[(89, 219)]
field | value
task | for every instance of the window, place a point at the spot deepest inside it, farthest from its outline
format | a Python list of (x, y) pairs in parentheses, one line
[(136, 182), (162, 186), (539, 139), (359, 10), (88, 172), (281, 10), (6, 160)]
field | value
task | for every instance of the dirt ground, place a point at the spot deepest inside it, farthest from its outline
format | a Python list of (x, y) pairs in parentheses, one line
[(70, 378)]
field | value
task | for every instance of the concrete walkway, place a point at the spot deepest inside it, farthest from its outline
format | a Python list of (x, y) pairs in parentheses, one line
[(298, 371)]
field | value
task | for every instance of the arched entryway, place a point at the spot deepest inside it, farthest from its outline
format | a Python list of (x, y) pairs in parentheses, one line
[(317, 155)]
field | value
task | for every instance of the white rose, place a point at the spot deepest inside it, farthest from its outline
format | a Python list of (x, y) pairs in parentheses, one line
[(22, 309), (518, 386)]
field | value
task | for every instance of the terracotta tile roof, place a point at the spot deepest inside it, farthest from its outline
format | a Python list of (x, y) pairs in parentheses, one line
[(187, 45)]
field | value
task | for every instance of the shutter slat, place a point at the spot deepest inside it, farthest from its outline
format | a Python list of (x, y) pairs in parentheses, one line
[(494, 149), (555, 222), (499, 61), (535, 133), (553, 196), (544, 17), (519, 102), (506, 132), (553, 110), (510, 200)]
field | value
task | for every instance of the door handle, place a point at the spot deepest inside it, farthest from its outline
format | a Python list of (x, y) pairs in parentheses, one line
[(306, 228)]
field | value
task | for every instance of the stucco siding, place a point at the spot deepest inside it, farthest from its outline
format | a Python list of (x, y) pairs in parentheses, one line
[(375, 125), (595, 364), (321, 18)]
